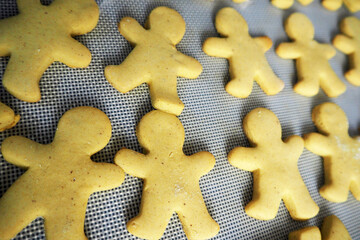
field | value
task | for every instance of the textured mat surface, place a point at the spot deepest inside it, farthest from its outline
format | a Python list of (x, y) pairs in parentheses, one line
[(212, 118)]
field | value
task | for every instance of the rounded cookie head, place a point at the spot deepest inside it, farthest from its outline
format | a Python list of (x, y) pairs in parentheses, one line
[(90, 126), (167, 22), (228, 21), (299, 27), (351, 26), (161, 130), (81, 15), (261, 126), (330, 118)]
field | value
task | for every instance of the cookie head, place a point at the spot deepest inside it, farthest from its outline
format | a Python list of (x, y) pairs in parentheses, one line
[(351, 26), (299, 27), (261, 126), (330, 118), (229, 21), (88, 127), (82, 15), (160, 130), (167, 22)]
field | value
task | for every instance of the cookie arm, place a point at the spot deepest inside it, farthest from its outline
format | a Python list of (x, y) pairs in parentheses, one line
[(296, 146), (106, 176), (72, 53), (27, 5), (288, 51), (328, 50), (20, 151), (202, 162), (318, 144), (131, 30), (217, 47), (8, 119), (132, 162), (264, 42), (188, 67), (344, 44), (244, 158)]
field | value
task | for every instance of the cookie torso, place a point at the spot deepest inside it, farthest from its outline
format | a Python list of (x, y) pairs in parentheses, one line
[(245, 49), (311, 57)]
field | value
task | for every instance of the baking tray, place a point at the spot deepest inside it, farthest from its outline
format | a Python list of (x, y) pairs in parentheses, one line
[(212, 118)]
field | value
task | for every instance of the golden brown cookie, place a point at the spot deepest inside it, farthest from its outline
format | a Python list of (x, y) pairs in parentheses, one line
[(8, 119), (244, 53), (171, 179), (349, 43), (40, 35), (341, 153), (155, 60), (313, 68), (274, 166), (60, 176)]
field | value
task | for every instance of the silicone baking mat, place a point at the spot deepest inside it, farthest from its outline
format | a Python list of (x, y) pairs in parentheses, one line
[(212, 118)]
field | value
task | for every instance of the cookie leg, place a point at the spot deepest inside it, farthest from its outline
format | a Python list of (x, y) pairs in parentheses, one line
[(331, 84), (353, 76), (68, 224), (268, 81), (336, 188), (16, 213), (23, 73), (266, 200), (242, 78), (299, 202), (332, 5), (308, 85), (355, 188), (163, 93), (197, 222), (152, 219)]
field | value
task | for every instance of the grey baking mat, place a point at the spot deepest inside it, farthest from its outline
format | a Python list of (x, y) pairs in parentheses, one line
[(212, 118)]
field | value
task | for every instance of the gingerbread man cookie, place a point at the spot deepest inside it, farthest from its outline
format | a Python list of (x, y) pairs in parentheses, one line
[(155, 60), (60, 176), (333, 5), (284, 4), (350, 44), (312, 64), (244, 53), (171, 179), (40, 35), (341, 152), (331, 229), (274, 166), (8, 119)]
